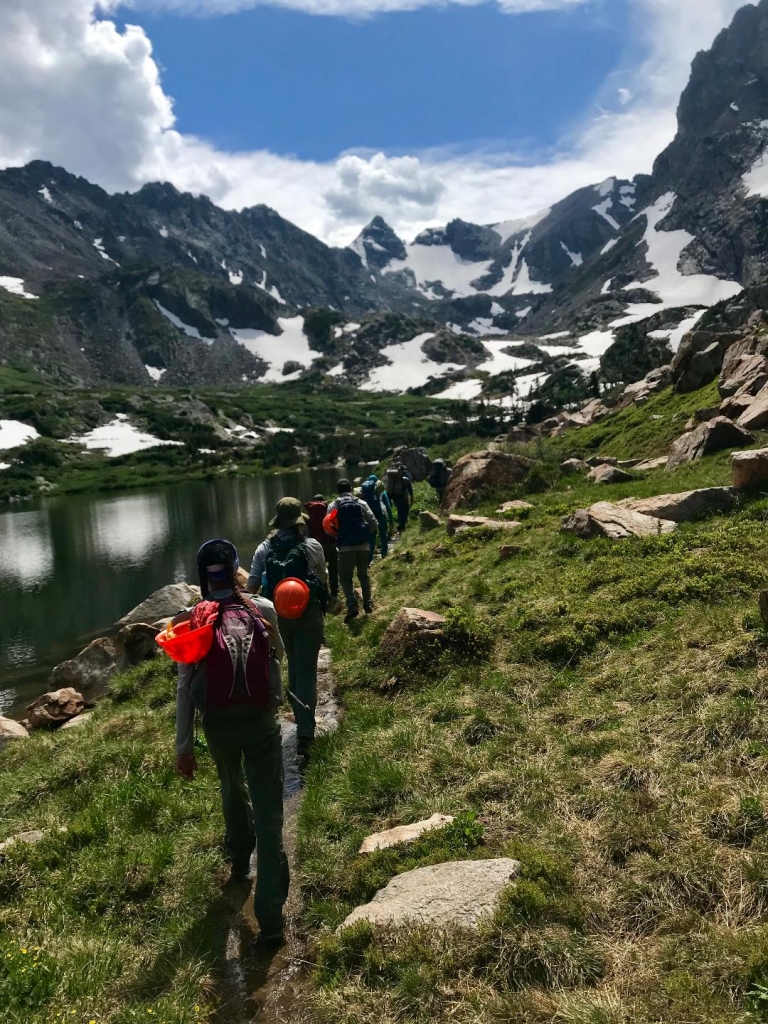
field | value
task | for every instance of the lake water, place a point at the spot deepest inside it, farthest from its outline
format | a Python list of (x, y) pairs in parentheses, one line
[(71, 567)]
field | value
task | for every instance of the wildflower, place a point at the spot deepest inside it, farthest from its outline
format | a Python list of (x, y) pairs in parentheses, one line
[(23, 951)]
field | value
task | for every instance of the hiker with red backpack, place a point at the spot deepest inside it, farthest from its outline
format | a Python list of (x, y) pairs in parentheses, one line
[(289, 567), (317, 510), (353, 524), (237, 689)]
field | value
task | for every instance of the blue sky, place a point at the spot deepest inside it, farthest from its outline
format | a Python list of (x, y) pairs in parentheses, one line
[(316, 86)]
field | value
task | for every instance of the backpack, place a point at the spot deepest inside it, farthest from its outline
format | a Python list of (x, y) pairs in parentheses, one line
[(395, 483), (440, 475), (317, 511), (237, 665), (286, 559), (354, 531), (371, 497)]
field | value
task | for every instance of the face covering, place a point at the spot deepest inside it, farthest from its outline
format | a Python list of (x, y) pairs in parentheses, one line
[(220, 595)]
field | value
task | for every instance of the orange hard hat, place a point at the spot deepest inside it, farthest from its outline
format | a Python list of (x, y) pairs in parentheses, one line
[(331, 524), (291, 598), (185, 645)]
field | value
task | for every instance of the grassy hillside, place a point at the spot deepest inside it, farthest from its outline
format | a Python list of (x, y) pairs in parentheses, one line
[(597, 711)]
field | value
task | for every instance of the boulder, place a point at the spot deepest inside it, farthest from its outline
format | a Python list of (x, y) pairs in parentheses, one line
[(54, 708), (168, 601), (458, 894), (601, 460), (404, 833), (480, 472), (609, 475), (457, 523), (514, 506), (606, 520), (88, 671), (522, 434), (507, 551), (699, 359), (702, 415), (28, 838), (594, 411), (685, 506), (648, 464), (428, 521), (406, 633), (653, 382), (755, 415), (750, 469), (733, 407), (79, 722), (743, 374), (134, 644), (10, 730), (416, 460), (573, 466), (709, 437)]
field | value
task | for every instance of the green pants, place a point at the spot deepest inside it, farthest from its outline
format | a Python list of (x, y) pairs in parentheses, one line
[(303, 639), (246, 746), (349, 561)]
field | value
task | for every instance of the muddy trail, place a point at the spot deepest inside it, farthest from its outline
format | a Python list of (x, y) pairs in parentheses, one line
[(271, 987)]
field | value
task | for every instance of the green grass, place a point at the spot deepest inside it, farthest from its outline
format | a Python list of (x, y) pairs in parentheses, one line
[(613, 739), (119, 918)]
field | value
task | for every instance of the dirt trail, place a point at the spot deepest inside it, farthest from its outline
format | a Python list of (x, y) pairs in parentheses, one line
[(269, 988)]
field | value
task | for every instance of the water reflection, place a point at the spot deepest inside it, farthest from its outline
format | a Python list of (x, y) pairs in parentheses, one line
[(70, 567)]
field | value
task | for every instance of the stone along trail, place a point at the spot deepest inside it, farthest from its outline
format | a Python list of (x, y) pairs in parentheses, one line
[(270, 987)]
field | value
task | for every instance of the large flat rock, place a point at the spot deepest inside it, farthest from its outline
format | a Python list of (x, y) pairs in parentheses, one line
[(607, 474), (482, 472), (454, 895), (750, 469), (709, 437), (685, 506), (755, 415), (456, 523), (11, 730), (614, 522)]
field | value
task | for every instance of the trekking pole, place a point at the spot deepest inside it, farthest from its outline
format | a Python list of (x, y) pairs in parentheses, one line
[(301, 702)]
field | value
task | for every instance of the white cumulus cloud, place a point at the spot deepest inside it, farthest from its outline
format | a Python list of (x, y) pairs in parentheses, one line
[(79, 92), (349, 8)]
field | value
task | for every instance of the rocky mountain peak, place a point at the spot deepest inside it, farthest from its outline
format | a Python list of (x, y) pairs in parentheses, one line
[(377, 245)]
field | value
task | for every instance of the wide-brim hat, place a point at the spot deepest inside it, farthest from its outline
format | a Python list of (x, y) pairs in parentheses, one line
[(289, 512)]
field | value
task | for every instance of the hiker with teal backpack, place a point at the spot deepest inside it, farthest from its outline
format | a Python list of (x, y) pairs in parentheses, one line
[(289, 567), (381, 507), (237, 689), (351, 521)]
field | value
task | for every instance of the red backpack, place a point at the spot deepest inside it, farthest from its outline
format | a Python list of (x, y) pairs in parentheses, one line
[(317, 511), (238, 661)]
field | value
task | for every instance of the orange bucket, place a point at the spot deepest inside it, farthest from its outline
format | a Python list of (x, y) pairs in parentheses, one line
[(291, 598), (185, 645)]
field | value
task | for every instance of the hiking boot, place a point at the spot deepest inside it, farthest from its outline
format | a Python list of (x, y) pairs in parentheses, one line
[(368, 607), (270, 939), (352, 613), (239, 876), (304, 746)]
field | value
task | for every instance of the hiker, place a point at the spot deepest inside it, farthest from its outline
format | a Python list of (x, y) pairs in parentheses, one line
[(353, 523), (317, 510), (238, 704), (399, 487), (439, 477), (289, 553), (381, 507)]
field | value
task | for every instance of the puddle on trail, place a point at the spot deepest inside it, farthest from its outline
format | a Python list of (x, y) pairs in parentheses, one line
[(268, 988)]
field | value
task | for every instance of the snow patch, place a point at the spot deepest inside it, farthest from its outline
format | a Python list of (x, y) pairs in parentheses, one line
[(603, 208), (13, 433), (263, 251), (597, 342), (99, 247), (337, 371), (191, 332), (408, 366), (154, 372), (496, 309), (432, 264), (15, 285), (45, 192), (524, 285), (292, 346), (575, 257), (555, 337), (78, 225), (605, 290), (508, 228), (273, 290), (462, 391), (500, 361), (735, 106), (236, 277), (119, 438), (608, 246), (521, 314), (483, 325), (606, 187), (164, 231)]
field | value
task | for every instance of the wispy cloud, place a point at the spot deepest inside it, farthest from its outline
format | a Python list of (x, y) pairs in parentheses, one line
[(351, 8)]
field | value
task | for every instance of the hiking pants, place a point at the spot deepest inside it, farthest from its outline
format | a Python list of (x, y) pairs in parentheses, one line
[(246, 746), (332, 564), (303, 639), (383, 534), (403, 507), (349, 560)]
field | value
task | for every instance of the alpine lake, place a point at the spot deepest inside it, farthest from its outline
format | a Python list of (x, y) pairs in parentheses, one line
[(70, 567)]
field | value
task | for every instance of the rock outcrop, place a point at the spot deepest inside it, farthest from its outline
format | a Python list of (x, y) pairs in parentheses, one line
[(750, 469), (457, 523), (755, 413), (54, 708), (10, 730), (169, 600), (483, 472), (402, 834), (573, 466), (428, 521), (415, 460), (606, 520), (514, 506), (709, 437), (685, 506), (90, 670), (648, 464), (405, 634), (458, 894), (606, 474)]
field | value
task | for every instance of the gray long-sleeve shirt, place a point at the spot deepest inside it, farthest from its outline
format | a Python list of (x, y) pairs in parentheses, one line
[(190, 676), (315, 560)]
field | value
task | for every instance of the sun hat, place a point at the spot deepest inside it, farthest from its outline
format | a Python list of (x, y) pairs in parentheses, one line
[(288, 513)]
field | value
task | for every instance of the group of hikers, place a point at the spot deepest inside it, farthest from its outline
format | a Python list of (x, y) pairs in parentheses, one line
[(230, 647)]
